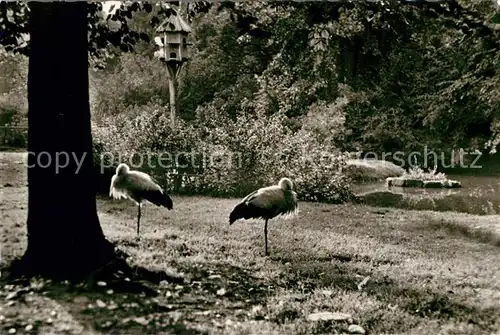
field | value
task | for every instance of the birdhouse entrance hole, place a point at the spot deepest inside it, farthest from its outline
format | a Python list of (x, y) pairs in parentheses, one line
[(173, 55)]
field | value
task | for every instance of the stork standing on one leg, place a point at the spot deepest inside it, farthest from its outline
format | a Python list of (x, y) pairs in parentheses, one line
[(138, 186), (267, 203)]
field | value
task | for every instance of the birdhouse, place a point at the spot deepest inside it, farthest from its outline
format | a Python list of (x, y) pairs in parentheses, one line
[(172, 39)]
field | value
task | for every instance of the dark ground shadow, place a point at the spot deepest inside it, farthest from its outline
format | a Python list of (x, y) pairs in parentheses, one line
[(124, 291), (465, 231), (124, 299)]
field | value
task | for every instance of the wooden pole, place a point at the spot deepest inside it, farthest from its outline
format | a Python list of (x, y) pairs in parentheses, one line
[(177, 84), (171, 87), (172, 92), (174, 69)]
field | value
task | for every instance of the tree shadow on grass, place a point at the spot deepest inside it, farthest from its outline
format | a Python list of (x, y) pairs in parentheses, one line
[(115, 271), (120, 298), (112, 298), (207, 290)]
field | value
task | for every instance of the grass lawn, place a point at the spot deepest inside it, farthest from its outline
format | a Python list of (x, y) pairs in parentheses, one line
[(393, 271)]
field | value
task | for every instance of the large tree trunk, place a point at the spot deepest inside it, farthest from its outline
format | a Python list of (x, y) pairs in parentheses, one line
[(64, 234)]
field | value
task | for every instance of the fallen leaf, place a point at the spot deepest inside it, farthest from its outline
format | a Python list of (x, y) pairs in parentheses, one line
[(11, 295), (325, 316), (141, 320), (107, 324), (327, 292), (100, 303), (355, 329), (363, 283)]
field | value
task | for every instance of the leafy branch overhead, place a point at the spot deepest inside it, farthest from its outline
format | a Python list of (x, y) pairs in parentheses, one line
[(108, 34), (111, 34)]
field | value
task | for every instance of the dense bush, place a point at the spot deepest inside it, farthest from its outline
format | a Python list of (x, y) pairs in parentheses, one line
[(13, 100), (14, 137), (225, 157), (132, 80)]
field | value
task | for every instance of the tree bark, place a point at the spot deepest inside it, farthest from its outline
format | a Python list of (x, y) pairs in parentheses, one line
[(173, 70), (65, 238), (173, 101)]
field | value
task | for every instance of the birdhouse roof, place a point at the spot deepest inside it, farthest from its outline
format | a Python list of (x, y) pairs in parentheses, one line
[(174, 23)]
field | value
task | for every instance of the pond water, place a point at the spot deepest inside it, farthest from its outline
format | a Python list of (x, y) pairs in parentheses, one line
[(480, 194)]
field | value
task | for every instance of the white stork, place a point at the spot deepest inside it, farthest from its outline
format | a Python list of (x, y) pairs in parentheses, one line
[(267, 203), (137, 186)]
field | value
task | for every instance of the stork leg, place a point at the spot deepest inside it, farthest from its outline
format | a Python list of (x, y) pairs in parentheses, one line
[(265, 236), (138, 218)]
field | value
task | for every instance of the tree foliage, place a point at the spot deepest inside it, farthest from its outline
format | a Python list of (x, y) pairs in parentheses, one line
[(109, 35)]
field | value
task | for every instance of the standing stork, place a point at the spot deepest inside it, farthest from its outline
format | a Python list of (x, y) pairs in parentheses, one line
[(267, 203), (137, 186)]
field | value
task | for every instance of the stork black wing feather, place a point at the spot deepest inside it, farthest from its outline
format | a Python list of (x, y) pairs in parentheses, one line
[(158, 198)]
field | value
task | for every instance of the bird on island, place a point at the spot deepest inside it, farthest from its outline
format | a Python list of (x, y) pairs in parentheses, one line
[(267, 203), (138, 186)]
